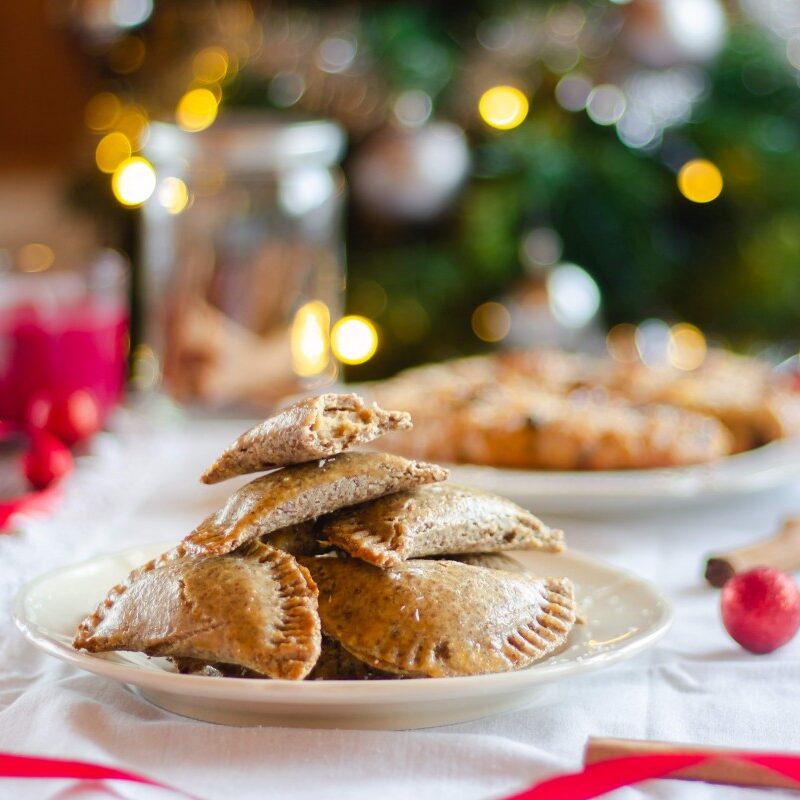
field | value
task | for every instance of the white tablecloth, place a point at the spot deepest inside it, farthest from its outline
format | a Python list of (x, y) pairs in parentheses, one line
[(140, 485)]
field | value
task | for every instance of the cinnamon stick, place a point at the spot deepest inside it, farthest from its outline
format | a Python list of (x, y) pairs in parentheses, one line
[(781, 551), (721, 768)]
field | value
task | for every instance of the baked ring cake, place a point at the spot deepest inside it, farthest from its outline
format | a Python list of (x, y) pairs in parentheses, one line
[(581, 432), (755, 410), (546, 409), (427, 618), (433, 520), (255, 610), (304, 491), (515, 424), (314, 428)]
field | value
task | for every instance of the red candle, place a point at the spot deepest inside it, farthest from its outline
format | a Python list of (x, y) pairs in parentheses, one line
[(62, 332)]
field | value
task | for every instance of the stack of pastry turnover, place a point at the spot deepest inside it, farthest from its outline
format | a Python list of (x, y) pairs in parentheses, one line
[(341, 565)]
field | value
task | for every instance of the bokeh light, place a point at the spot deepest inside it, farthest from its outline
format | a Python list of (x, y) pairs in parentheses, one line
[(173, 195), (210, 65), (309, 339), (133, 182), (491, 322), (652, 342), (196, 110), (573, 295), (687, 346), (336, 53), (409, 320), (286, 88), (540, 247), (130, 13), (503, 107), (102, 111), (35, 257), (572, 91), (127, 55), (621, 343), (413, 108), (111, 151), (606, 104), (354, 340), (133, 123), (700, 181), (145, 369), (370, 298)]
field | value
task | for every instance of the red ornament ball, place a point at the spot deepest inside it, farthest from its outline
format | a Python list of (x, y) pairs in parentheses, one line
[(761, 609), (47, 461), (72, 417)]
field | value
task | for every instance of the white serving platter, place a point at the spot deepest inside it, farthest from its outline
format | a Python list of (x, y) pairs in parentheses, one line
[(590, 493), (624, 615)]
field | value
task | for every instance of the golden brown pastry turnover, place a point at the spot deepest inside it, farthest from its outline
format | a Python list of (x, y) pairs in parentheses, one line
[(436, 519), (298, 493), (318, 427), (501, 561), (256, 610), (427, 618), (299, 540), (336, 664)]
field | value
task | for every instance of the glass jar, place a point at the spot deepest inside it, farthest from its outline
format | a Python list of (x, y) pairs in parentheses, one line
[(244, 262)]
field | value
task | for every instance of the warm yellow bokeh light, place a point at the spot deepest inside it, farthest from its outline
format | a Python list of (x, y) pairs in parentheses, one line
[(173, 195), (127, 55), (134, 180), (112, 150), (134, 125), (309, 339), (700, 181), (210, 65), (621, 343), (197, 109), (216, 90), (354, 340), (503, 107), (491, 322), (687, 346), (35, 257), (102, 111)]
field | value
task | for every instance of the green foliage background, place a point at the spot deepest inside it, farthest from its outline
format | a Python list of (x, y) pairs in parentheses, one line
[(731, 266)]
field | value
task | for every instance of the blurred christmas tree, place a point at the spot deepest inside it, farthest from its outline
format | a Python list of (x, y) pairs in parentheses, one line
[(653, 143)]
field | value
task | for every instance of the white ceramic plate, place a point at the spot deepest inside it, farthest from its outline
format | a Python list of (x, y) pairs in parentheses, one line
[(770, 467), (624, 616)]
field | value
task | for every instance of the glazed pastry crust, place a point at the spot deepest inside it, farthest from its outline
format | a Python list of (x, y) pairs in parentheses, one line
[(318, 427), (436, 519), (428, 618), (302, 492), (256, 609)]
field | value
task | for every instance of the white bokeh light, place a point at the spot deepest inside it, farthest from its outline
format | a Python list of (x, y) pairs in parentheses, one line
[(573, 295), (606, 104)]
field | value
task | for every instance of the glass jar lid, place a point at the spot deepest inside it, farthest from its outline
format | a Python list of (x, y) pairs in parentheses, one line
[(247, 142)]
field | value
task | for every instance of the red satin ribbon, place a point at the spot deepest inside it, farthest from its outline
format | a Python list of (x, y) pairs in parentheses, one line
[(593, 781), (602, 777), (17, 766), (35, 503)]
